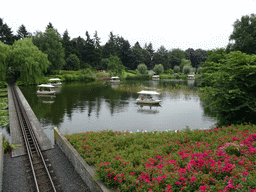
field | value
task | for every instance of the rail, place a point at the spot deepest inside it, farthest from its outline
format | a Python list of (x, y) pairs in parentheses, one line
[(40, 172)]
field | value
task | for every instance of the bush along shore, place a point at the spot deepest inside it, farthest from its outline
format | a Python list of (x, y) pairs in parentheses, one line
[(4, 114), (218, 159)]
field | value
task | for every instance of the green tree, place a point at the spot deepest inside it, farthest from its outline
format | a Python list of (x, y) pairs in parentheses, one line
[(175, 56), (67, 45), (49, 43), (184, 62), (231, 93), (176, 69), (125, 52), (97, 50), (142, 68), (72, 62), (4, 60), (115, 65), (6, 35), (151, 51), (28, 60), (244, 35), (110, 48), (22, 32), (161, 56), (104, 64), (49, 26), (158, 69), (186, 69), (90, 56), (136, 56), (212, 65)]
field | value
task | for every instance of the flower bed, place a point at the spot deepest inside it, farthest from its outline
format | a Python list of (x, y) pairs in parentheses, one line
[(220, 159)]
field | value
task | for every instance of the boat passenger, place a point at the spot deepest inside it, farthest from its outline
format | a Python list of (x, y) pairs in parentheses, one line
[(142, 98)]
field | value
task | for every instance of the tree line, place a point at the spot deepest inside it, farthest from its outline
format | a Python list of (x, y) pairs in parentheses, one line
[(80, 53)]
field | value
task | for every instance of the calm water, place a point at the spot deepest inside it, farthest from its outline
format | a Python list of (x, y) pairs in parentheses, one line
[(91, 107)]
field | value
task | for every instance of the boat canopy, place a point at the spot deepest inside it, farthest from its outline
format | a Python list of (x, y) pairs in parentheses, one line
[(54, 79), (149, 92), (45, 85), (114, 77)]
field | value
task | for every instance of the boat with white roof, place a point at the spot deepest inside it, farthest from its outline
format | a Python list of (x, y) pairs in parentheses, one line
[(55, 82), (146, 97), (115, 80), (46, 89)]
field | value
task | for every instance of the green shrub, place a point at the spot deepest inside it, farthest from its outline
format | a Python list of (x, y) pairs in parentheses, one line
[(139, 77)]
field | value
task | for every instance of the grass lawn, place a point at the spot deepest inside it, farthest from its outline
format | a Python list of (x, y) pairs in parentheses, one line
[(219, 159)]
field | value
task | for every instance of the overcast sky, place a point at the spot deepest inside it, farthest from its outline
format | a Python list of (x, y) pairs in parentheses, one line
[(180, 24)]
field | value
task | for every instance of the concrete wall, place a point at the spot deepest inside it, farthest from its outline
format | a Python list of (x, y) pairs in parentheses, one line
[(83, 169), (1, 161)]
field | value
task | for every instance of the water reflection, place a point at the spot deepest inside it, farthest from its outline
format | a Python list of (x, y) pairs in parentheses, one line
[(46, 98), (148, 108), (82, 107)]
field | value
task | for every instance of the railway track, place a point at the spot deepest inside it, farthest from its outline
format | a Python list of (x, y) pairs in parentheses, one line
[(38, 167)]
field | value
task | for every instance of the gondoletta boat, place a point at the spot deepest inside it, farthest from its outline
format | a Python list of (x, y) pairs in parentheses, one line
[(46, 89), (147, 97)]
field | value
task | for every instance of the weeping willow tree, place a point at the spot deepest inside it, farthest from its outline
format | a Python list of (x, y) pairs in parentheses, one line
[(4, 51), (29, 61)]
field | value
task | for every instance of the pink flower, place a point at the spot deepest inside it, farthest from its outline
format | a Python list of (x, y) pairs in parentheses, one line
[(235, 139), (169, 186), (243, 179), (203, 188), (83, 141), (193, 179)]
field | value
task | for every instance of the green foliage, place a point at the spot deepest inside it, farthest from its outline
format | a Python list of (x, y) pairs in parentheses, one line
[(186, 69), (27, 59), (212, 65), (139, 77), (158, 69), (8, 147), (72, 62), (49, 43), (231, 91), (104, 63), (131, 71), (3, 84), (176, 69), (142, 68), (80, 77), (169, 71), (185, 62), (87, 72), (4, 57), (244, 35), (115, 65), (176, 55)]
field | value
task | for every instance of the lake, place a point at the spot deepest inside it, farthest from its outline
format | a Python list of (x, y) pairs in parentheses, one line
[(80, 107)]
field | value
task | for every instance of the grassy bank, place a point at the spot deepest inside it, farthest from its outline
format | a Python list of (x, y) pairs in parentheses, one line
[(220, 159)]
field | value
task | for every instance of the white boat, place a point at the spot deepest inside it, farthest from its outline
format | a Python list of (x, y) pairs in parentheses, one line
[(145, 97), (55, 82), (191, 77), (155, 77), (46, 89), (115, 80)]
